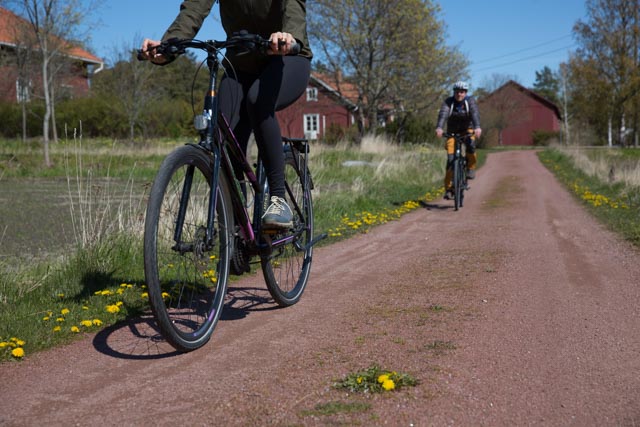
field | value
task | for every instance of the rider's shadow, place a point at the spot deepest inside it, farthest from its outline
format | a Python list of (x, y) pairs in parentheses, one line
[(140, 339), (435, 206)]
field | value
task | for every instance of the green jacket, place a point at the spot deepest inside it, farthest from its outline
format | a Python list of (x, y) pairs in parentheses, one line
[(262, 17)]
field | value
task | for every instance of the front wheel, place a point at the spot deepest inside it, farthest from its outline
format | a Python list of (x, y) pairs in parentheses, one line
[(458, 183), (286, 270), (186, 272)]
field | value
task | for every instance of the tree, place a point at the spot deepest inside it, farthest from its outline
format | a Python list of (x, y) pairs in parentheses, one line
[(54, 23), (393, 51), (607, 60), (547, 84)]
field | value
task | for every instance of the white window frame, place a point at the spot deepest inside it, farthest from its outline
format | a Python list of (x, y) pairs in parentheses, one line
[(311, 122), (312, 93), (311, 126), (23, 93)]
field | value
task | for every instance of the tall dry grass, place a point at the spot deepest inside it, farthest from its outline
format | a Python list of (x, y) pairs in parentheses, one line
[(607, 165)]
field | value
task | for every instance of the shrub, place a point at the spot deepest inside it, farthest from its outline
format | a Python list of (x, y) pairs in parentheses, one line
[(544, 138)]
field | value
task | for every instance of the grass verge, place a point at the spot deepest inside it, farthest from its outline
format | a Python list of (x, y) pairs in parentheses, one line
[(613, 200)]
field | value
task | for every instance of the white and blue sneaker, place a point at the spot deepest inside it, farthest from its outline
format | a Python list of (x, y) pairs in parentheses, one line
[(278, 214)]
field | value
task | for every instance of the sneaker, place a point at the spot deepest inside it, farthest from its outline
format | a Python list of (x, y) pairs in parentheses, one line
[(278, 214), (448, 195), (471, 174)]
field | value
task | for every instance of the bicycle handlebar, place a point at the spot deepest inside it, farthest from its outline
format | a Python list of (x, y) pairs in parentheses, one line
[(243, 40)]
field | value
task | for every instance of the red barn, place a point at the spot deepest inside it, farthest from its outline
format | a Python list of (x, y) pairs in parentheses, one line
[(512, 113), (324, 105), (13, 31)]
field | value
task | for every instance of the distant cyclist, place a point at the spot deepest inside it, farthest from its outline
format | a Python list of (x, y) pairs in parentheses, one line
[(461, 113), (256, 85)]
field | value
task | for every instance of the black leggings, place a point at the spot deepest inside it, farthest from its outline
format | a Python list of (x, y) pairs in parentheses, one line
[(250, 101)]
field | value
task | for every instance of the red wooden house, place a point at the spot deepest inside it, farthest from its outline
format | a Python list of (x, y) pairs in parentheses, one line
[(74, 83), (326, 103), (512, 113)]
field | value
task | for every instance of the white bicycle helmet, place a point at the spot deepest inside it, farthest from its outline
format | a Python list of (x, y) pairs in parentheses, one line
[(460, 85)]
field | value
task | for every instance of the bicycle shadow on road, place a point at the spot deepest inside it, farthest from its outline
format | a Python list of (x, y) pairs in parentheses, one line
[(435, 206), (140, 339), (134, 339)]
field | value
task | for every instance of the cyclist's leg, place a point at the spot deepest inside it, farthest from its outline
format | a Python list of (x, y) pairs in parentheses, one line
[(471, 156), (448, 177), (232, 104), (279, 85)]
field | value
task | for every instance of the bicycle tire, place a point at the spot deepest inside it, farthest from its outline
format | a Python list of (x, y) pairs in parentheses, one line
[(187, 280), (286, 271), (457, 185)]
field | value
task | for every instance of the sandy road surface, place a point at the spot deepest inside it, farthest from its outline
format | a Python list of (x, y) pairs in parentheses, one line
[(519, 309)]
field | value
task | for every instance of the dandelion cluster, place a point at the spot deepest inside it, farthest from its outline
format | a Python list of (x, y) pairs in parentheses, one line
[(363, 221), (375, 380), (597, 200), (13, 347), (65, 319)]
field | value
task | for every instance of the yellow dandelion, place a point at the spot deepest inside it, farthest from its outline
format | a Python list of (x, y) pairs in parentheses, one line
[(60, 319), (123, 285), (75, 329), (165, 295), (64, 311), (96, 322), (144, 295), (382, 378), (388, 385), (359, 380), (56, 329), (45, 318), (86, 323), (113, 308), (60, 295), (119, 303), (3, 344), (18, 353)]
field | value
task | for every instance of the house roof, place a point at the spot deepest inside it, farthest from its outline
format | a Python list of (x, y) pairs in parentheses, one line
[(9, 21), (343, 90), (528, 92)]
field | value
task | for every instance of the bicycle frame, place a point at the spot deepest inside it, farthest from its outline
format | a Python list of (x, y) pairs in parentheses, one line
[(218, 139)]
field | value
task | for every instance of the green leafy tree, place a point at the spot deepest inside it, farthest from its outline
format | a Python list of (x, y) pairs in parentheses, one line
[(547, 84), (393, 51), (607, 62)]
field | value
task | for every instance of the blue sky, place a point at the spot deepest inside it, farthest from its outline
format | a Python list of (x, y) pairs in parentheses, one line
[(506, 37)]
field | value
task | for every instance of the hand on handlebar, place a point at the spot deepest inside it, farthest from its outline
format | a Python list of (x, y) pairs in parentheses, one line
[(281, 44), (148, 52)]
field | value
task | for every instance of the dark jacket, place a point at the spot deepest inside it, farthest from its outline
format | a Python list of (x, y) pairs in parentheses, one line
[(460, 116), (262, 17)]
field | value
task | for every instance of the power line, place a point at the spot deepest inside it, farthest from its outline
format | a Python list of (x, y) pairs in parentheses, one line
[(523, 50), (525, 58)]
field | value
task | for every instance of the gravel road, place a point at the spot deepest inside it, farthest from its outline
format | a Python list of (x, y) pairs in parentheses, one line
[(519, 309)]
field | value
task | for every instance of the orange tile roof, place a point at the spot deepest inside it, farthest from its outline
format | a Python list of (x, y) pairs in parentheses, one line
[(10, 21), (346, 89)]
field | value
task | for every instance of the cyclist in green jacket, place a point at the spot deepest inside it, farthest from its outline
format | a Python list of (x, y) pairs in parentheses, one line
[(461, 114), (256, 85)]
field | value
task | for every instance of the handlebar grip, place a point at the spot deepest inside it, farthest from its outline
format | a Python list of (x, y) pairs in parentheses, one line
[(295, 49)]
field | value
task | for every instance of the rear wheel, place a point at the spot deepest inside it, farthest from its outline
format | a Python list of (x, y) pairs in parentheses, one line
[(286, 269), (186, 275)]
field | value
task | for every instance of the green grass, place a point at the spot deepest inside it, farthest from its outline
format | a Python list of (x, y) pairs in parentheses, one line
[(98, 279), (614, 200)]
